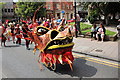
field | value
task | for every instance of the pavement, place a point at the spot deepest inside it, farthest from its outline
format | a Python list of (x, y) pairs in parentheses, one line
[(106, 50)]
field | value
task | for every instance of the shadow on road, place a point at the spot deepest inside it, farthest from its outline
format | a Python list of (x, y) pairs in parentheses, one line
[(80, 69)]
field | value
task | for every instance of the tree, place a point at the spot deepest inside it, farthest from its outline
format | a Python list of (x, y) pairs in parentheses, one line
[(96, 9), (27, 9), (1, 6)]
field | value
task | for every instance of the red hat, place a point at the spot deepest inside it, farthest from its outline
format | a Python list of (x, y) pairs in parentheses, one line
[(24, 21)]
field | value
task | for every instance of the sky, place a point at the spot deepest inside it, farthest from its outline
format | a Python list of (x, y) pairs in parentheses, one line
[(15, 0)]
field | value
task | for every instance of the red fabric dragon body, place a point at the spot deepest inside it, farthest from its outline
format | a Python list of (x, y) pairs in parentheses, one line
[(55, 46)]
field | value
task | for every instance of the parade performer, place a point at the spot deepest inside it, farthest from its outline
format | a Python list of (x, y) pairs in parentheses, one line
[(12, 32), (25, 34), (8, 31), (2, 34), (18, 35)]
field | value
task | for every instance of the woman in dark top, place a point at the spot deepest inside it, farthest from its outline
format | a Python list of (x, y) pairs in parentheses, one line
[(93, 32)]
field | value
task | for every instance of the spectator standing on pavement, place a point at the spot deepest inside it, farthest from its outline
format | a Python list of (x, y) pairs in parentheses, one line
[(78, 23), (72, 29), (93, 32), (101, 32)]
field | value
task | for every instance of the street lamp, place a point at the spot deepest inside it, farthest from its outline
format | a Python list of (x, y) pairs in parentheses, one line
[(75, 19)]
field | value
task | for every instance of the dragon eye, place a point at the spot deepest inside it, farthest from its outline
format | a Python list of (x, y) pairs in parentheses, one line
[(42, 30)]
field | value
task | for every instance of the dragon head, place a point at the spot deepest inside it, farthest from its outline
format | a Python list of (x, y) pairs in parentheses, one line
[(55, 45), (54, 40)]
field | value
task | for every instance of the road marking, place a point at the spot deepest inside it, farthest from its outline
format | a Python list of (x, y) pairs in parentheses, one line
[(106, 62), (97, 61)]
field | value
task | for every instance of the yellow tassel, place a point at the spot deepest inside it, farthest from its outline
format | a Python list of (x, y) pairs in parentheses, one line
[(60, 59), (34, 51), (54, 58), (70, 63)]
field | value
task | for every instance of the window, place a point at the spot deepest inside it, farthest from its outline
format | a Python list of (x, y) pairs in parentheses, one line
[(8, 10), (71, 7), (67, 6), (5, 10), (49, 6), (63, 6), (11, 10), (58, 15), (57, 6)]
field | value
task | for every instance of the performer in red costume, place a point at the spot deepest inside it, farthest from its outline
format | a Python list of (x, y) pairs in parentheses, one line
[(25, 34), (18, 35), (3, 38)]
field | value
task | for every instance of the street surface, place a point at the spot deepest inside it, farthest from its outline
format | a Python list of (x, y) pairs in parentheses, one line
[(17, 62)]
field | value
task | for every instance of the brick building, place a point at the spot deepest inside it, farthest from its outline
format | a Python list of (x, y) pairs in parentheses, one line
[(60, 9)]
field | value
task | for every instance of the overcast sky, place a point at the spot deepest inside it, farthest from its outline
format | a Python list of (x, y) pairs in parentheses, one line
[(15, 0)]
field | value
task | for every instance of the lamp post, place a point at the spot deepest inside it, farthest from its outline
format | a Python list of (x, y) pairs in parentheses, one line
[(75, 19)]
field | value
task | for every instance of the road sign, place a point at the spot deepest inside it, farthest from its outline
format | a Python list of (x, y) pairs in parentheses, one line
[(63, 12)]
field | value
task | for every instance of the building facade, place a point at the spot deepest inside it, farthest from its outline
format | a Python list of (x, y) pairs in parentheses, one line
[(60, 9), (8, 11)]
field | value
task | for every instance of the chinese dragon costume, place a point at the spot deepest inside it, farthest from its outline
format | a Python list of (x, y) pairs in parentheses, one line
[(55, 45)]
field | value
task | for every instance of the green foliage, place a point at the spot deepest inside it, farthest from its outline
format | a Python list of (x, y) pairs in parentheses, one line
[(85, 31), (83, 26), (112, 8), (1, 9), (27, 9), (91, 19), (111, 33), (108, 32), (96, 9)]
